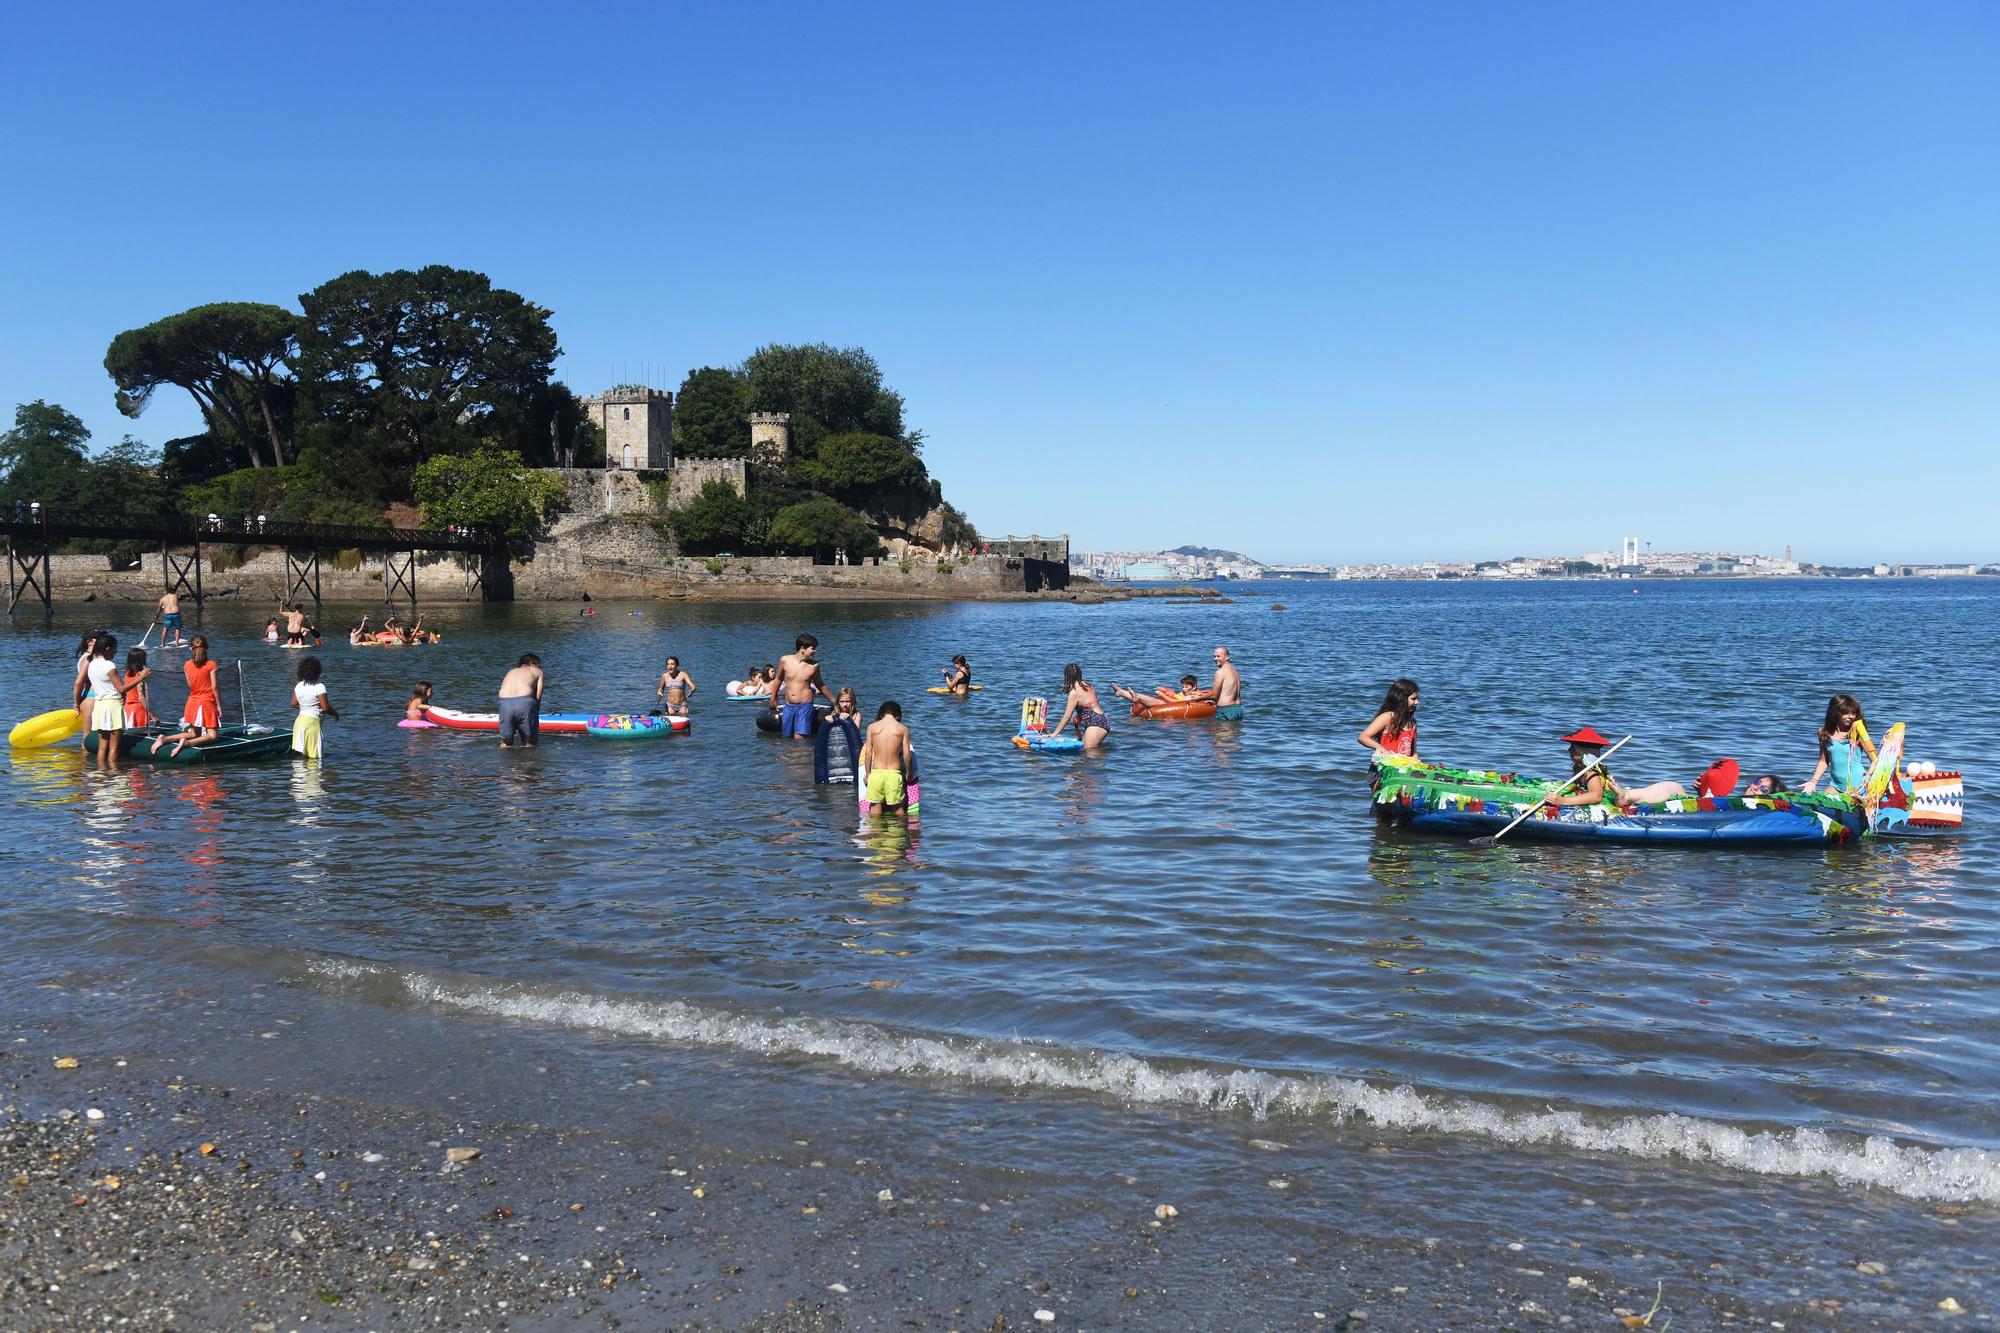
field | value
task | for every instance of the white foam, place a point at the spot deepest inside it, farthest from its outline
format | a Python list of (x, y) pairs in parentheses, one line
[(1956, 1174)]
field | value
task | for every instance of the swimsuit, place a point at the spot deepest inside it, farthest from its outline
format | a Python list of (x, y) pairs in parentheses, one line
[(520, 714), (1088, 716), (885, 786), (1229, 712), (796, 720), (1392, 741), (170, 620), (1847, 764)]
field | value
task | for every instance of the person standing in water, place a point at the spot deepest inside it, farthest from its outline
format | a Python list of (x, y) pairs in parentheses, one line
[(676, 689), (1394, 730), (1081, 705), (170, 621), (521, 703), (798, 684), (1226, 688), (887, 748), (309, 697), (107, 700), (1844, 748)]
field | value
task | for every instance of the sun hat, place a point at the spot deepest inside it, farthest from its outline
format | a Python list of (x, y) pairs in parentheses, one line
[(1586, 736)]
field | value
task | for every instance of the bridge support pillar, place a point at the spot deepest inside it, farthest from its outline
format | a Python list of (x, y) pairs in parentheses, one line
[(302, 575), (27, 572), (182, 572), (399, 573)]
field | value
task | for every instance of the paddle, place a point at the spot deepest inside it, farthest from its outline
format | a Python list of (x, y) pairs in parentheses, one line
[(149, 629), (1594, 761)]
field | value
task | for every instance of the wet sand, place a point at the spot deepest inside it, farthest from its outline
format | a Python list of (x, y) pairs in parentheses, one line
[(316, 1207)]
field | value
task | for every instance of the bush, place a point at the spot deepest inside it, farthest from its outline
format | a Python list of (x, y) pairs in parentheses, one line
[(819, 526), (348, 558), (487, 489), (718, 519)]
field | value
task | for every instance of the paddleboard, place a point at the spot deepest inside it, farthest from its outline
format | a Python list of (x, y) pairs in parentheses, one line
[(945, 689)]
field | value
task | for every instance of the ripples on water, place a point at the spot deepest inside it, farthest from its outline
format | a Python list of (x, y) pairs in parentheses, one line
[(1204, 914)]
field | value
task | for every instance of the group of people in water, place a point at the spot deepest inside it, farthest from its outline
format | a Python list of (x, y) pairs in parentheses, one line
[(1845, 755), (388, 634)]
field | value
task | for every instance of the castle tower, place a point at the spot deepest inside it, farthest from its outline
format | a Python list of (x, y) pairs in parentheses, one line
[(638, 426), (770, 437)]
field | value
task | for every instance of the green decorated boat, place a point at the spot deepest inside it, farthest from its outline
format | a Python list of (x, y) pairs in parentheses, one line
[(234, 743), (1431, 798)]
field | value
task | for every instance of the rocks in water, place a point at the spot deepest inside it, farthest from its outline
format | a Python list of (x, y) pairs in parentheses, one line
[(1165, 1211)]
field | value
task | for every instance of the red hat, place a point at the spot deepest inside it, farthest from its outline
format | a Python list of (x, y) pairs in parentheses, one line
[(1586, 736)]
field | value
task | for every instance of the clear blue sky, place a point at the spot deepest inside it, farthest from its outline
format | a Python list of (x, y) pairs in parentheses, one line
[(1327, 282)]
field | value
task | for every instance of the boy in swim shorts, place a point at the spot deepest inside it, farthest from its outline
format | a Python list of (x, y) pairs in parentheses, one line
[(798, 685), (888, 749)]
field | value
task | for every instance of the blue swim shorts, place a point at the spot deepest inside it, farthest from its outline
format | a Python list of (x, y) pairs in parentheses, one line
[(520, 715), (796, 720), (170, 620)]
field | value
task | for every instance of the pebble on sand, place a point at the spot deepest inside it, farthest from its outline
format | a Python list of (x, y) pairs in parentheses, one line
[(1950, 1305), (1045, 1316), (885, 1196), (66, 1062), (1165, 1211), (93, 1114), (460, 1154)]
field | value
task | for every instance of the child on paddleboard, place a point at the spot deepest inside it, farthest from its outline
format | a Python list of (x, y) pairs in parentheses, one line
[(1843, 740), (1394, 730)]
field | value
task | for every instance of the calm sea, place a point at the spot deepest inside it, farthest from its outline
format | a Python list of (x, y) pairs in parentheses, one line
[(1202, 917)]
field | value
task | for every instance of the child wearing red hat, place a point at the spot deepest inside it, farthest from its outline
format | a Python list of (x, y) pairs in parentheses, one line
[(1585, 747)]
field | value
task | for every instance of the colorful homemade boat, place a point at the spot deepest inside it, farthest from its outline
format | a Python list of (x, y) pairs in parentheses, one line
[(234, 743), (1468, 803), (559, 724)]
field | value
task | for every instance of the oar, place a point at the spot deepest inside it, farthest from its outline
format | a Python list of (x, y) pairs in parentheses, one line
[(149, 629), (1594, 761)]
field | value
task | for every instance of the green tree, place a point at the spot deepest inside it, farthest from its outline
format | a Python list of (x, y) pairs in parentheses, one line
[(958, 530), (870, 471), (488, 489), (232, 357), (43, 457), (712, 415), (818, 527), (418, 364), (716, 520), (828, 391)]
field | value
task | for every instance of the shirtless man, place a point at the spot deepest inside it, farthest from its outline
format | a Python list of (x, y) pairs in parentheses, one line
[(887, 752), (798, 683), (295, 625), (1227, 687), (676, 688), (521, 703), (170, 620)]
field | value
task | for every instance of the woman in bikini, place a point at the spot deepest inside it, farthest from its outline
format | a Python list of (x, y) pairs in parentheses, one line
[(1081, 706)]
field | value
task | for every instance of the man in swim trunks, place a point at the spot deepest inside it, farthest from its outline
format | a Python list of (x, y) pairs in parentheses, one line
[(798, 684), (1226, 688), (887, 747), (295, 626), (521, 703), (170, 620)]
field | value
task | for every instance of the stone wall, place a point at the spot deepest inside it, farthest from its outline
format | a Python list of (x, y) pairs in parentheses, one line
[(440, 577), (797, 576), (691, 474)]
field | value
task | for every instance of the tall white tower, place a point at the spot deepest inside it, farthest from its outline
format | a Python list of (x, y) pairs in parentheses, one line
[(1628, 554)]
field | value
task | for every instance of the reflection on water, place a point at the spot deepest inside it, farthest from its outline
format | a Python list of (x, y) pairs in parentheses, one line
[(1215, 894)]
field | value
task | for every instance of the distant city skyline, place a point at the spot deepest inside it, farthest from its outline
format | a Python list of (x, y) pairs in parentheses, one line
[(1384, 284)]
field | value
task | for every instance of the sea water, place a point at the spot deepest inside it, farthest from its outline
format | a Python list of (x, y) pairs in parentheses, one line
[(1202, 919)]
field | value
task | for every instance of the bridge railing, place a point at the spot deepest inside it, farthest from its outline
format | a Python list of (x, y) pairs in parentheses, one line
[(48, 524)]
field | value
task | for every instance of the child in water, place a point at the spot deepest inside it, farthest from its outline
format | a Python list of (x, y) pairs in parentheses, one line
[(309, 697), (138, 712), (1394, 730), (958, 676), (420, 699), (271, 631), (676, 688), (1841, 747)]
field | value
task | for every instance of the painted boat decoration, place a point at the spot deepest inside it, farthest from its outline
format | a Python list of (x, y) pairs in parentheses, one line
[(1432, 798), (635, 726), (575, 724), (234, 743)]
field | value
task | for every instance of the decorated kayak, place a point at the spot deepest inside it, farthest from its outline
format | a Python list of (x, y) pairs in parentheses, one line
[(48, 728), (1176, 708), (573, 724), (1468, 803), (635, 726), (233, 744)]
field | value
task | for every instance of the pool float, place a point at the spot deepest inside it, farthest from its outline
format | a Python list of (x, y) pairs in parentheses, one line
[(417, 724), (1176, 708), (1048, 744), (46, 729), (233, 744), (768, 721), (635, 726), (946, 689)]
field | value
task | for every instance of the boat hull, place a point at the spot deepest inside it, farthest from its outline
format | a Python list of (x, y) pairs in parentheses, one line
[(233, 745)]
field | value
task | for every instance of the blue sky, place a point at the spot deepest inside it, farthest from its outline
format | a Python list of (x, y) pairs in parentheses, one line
[(1324, 282)]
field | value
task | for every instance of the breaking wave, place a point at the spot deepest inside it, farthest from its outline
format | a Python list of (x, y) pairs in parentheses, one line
[(1955, 1174)]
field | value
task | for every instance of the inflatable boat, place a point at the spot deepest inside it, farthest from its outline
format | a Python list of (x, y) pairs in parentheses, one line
[(1431, 798), (233, 744), (1176, 708), (572, 724)]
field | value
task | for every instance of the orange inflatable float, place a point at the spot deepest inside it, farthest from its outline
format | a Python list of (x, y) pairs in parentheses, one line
[(1176, 708)]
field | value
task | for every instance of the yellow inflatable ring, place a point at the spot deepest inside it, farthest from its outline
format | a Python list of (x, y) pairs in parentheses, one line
[(46, 729)]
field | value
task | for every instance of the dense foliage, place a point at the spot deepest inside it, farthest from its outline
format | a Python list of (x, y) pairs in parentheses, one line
[(488, 489)]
